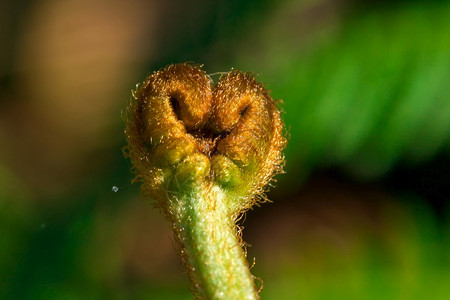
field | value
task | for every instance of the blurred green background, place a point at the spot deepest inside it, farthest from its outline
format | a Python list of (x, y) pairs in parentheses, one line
[(362, 211)]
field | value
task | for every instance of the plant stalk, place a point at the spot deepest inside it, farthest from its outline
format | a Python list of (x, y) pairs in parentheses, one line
[(211, 246)]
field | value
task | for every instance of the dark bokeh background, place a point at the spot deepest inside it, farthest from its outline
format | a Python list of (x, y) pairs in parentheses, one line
[(362, 211)]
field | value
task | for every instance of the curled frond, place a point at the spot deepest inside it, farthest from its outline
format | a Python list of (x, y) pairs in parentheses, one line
[(181, 126)]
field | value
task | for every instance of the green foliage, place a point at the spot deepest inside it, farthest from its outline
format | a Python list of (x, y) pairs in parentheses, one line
[(366, 96)]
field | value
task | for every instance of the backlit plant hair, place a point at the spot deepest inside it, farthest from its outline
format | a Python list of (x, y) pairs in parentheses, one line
[(205, 153)]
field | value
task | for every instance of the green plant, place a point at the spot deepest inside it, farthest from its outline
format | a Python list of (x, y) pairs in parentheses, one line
[(205, 155)]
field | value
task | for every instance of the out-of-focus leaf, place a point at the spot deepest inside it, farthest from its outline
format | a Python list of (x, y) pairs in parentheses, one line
[(368, 96)]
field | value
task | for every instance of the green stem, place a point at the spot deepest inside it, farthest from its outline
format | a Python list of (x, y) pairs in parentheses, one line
[(210, 244)]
